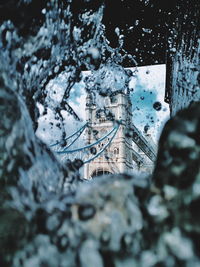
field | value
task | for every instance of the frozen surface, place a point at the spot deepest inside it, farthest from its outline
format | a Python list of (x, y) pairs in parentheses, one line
[(147, 88), (49, 215)]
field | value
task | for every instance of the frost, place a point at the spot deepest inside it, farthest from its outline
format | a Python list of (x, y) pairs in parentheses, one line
[(136, 22), (146, 30), (51, 216), (117, 31), (157, 209), (94, 52), (178, 244)]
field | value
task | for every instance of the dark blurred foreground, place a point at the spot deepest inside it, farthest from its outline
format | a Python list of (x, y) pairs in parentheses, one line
[(116, 220), (49, 215)]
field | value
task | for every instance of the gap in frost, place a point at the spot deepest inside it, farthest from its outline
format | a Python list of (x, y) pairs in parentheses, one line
[(149, 111)]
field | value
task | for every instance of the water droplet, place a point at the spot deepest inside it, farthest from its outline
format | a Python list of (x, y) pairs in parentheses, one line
[(157, 106), (93, 150), (86, 212)]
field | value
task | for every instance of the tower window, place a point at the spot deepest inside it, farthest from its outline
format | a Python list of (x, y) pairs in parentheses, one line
[(116, 151), (101, 120)]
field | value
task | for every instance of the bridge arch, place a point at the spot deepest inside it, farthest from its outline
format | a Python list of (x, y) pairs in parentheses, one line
[(100, 171)]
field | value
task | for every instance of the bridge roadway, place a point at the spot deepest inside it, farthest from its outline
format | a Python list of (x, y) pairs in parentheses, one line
[(142, 143)]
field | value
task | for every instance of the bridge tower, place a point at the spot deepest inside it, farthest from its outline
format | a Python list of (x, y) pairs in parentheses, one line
[(118, 156)]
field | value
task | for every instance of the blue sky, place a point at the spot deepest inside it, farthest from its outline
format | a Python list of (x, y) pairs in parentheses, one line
[(148, 88)]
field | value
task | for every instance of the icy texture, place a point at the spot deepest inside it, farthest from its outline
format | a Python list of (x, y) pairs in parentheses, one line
[(31, 60), (49, 217), (24, 159), (183, 80), (123, 220)]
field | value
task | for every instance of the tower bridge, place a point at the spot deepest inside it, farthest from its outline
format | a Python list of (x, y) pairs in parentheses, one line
[(112, 143), (129, 149)]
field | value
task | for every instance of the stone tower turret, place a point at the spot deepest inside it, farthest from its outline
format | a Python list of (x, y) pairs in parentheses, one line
[(118, 156)]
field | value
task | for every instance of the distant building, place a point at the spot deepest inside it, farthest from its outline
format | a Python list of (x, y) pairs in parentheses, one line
[(122, 155)]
